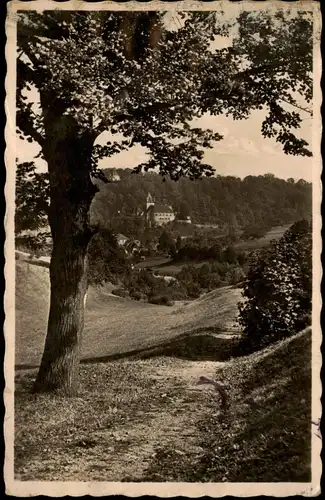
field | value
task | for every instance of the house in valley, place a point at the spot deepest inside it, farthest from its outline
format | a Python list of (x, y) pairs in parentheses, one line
[(132, 246), (121, 239), (187, 220)]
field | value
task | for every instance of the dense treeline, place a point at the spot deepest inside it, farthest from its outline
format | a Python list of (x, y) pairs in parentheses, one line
[(188, 284), (225, 201), (109, 263)]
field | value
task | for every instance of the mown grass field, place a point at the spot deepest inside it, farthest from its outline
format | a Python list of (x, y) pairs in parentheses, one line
[(274, 234), (114, 325), (147, 420), (165, 266)]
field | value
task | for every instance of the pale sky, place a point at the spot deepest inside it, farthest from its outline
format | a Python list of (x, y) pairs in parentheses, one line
[(243, 151)]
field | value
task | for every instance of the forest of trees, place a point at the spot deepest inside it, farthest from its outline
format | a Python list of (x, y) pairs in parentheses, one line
[(226, 201)]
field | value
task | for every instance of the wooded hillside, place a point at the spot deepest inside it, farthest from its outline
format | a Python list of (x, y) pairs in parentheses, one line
[(225, 201)]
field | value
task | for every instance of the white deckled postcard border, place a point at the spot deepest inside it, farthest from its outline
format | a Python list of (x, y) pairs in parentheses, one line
[(33, 488)]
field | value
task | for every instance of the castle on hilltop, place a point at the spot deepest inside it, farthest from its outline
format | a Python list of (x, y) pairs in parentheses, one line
[(157, 213)]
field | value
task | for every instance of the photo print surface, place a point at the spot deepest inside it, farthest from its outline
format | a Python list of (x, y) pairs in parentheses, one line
[(163, 248)]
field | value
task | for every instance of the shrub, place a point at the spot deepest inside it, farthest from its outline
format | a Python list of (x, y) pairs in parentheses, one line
[(36, 245), (163, 300), (136, 295), (255, 231), (230, 255), (220, 268), (120, 292), (278, 289), (107, 261), (235, 275), (178, 293), (193, 290)]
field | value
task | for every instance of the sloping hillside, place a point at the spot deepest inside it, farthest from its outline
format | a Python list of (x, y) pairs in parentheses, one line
[(116, 326), (270, 416), (265, 433), (32, 303), (268, 200), (147, 420)]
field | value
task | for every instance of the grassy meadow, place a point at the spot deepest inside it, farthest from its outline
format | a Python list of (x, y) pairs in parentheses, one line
[(140, 415), (274, 234), (265, 433), (115, 325)]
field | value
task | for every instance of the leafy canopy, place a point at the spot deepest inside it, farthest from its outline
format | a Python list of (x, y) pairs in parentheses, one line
[(88, 67)]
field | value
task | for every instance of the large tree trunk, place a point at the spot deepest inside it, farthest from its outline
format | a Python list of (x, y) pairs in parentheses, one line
[(59, 366), (71, 194)]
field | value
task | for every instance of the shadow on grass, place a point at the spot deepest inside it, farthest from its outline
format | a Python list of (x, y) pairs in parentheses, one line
[(200, 345)]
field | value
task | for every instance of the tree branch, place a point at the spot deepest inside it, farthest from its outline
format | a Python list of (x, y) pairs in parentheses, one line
[(26, 125), (133, 114), (26, 50), (259, 69), (309, 111)]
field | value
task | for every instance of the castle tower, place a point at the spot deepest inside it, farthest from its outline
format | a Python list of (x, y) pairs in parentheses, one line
[(150, 201)]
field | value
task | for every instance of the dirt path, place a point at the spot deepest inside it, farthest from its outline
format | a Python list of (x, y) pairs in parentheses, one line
[(125, 452), (174, 427)]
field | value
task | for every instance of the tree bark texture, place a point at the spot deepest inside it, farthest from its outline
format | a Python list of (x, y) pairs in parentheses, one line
[(71, 193)]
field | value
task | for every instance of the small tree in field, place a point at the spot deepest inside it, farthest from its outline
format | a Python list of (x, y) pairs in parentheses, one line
[(166, 242), (106, 260), (278, 290), (129, 74)]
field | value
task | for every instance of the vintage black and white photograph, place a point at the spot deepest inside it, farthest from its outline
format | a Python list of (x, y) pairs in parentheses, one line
[(163, 207)]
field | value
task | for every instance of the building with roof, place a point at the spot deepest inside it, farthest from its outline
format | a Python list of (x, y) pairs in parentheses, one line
[(121, 239), (132, 246), (158, 214)]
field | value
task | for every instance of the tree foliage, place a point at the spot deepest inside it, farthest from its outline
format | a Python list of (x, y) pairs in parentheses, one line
[(278, 290), (97, 85), (255, 231), (31, 214), (32, 198), (184, 211), (166, 242)]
